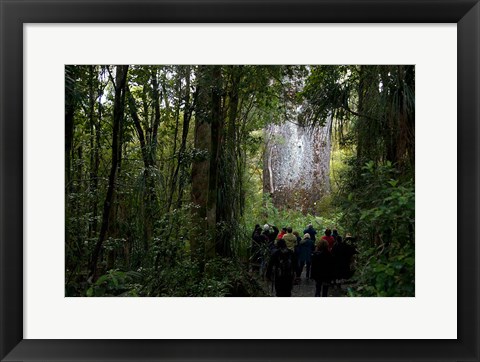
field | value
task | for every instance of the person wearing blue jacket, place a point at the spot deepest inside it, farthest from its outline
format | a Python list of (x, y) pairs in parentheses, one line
[(306, 248), (311, 231)]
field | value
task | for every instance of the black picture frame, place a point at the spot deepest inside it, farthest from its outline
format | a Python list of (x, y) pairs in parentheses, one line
[(14, 14)]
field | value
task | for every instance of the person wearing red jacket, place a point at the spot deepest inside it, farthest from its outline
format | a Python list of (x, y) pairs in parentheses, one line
[(282, 232), (329, 238)]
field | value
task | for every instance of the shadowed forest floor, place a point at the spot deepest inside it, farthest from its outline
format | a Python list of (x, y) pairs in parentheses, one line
[(306, 288)]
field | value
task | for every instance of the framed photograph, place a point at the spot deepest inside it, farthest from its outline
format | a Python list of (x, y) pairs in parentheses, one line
[(69, 259)]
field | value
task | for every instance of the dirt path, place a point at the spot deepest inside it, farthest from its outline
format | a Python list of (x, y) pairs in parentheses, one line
[(306, 288)]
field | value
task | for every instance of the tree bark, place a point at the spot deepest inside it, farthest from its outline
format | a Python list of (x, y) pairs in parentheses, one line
[(70, 104), (91, 115), (200, 168), (360, 119), (208, 130), (118, 114), (96, 157), (228, 207), (216, 146), (187, 116), (150, 197), (156, 120)]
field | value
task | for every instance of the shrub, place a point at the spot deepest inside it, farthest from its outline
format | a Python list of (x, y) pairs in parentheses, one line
[(379, 209)]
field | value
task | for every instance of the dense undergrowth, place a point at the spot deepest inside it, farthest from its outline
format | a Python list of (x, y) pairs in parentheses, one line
[(378, 210), (219, 278)]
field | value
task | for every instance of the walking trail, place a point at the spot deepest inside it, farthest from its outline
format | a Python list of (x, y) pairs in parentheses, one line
[(306, 288)]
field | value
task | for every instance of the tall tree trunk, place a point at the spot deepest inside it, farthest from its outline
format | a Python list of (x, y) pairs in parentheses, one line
[(150, 198), (97, 160), (360, 120), (156, 119), (118, 114), (141, 135), (200, 168), (216, 146), (392, 117), (175, 165), (91, 124), (208, 131), (187, 116), (70, 72), (410, 126), (405, 137), (230, 174)]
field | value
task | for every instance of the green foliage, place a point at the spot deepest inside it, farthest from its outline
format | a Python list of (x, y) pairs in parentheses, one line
[(379, 209), (234, 276), (385, 274), (373, 106), (115, 283), (219, 277), (379, 202), (329, 89), (328, 216)]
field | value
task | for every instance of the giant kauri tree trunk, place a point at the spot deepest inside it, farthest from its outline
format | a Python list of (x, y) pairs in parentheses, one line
[(297, 165)]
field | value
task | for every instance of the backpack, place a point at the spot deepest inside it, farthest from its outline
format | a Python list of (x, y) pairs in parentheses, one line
[(284, 268)]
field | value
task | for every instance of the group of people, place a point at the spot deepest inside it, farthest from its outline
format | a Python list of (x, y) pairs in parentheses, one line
[(281, 255)]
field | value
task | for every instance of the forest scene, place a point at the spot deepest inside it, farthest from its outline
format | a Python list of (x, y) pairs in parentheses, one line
[(239, 180)]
